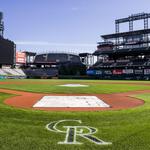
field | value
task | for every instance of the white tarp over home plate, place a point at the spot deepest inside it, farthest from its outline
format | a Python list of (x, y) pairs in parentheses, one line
[(70, 101)]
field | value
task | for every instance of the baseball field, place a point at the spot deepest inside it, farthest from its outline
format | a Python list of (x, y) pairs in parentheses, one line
[(124, 125)]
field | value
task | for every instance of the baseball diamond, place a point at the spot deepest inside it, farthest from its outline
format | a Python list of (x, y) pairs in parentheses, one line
[(24, 116), (35, 101), (97, 98)]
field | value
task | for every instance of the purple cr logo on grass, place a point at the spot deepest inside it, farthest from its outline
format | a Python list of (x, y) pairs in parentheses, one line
[(73, 132)]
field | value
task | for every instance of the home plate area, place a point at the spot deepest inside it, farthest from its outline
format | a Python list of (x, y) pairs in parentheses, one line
[(70, 101)]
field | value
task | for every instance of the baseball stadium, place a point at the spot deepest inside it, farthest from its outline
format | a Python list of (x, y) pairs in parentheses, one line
[(68, 101)]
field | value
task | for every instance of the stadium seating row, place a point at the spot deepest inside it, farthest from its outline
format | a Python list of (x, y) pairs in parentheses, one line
[(122, 64), (23, 73), (41, 72), (12, 72)]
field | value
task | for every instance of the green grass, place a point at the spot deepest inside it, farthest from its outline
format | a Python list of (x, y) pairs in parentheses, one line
[(22, 129), (51, 86)]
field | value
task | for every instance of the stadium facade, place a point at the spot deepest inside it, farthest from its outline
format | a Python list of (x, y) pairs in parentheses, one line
[(55, 64), (31, 65), (121, 55), (124, 55)]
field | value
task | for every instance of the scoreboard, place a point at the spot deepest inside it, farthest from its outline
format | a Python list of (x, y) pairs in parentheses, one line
[(7, 52)]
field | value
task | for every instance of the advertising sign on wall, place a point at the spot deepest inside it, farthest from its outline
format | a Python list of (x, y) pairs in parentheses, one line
[(127, 71), (108, 72), (147, 71), (139, 72), (20, 57), (117, 71)]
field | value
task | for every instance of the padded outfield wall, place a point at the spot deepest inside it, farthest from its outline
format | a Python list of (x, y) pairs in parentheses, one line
[(142, 74)]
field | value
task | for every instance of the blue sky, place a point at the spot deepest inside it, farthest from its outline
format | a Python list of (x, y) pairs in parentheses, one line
[(64, 25)]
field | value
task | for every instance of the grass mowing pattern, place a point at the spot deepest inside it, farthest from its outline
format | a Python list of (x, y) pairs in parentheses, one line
[(51, 86)]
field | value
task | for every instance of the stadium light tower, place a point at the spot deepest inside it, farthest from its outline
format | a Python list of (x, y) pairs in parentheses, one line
[(131, 19), (1, 25)]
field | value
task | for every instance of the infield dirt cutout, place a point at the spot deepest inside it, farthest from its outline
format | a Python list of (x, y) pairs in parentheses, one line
[(115, 101)]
